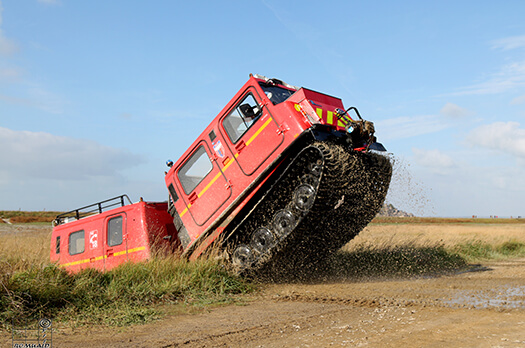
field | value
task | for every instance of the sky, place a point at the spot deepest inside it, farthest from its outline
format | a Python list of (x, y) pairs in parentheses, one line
[(96, 95)]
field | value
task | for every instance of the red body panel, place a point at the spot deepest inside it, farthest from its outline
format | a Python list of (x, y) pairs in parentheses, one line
[(212, 186), (240, 165), (318, 107), (95, 242)]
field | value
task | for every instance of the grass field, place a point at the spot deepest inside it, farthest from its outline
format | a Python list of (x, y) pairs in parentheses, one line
[(15, 216), (31, 287), (441, 220), (472, 241), (394, 247)]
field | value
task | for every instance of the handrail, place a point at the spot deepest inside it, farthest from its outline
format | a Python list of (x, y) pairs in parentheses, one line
[(92, 209)]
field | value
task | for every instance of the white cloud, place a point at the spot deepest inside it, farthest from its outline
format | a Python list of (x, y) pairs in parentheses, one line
[(482, 190), (509, 77), (506, 137), (435, 160), (33, 94), (9, 74), (49, 2), (509, 43), (408, 126), (518, 100), (454, 111), (42, 155), (7, 47), (126, 116), (38, 98), (46, 100)]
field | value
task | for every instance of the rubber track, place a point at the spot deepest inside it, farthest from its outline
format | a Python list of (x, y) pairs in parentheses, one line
[(352, 188)]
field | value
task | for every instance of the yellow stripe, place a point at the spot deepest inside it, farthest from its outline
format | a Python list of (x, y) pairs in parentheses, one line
[(329, 118), (227, 165), (209, 184), (98, 258), (129, 251), (259, 131)]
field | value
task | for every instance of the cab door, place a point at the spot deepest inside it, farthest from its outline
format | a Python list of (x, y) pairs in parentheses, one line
[(253, 133), (115, 240), (204, 184)]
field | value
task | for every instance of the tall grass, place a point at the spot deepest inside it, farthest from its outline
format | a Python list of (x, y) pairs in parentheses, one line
[(440, 220), (123, 295), (22, 247), (31, 287), (475, 251)]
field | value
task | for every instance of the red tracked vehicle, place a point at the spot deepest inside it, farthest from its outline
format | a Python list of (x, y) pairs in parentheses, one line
[(282, 177), (108, 233), (281, 174)]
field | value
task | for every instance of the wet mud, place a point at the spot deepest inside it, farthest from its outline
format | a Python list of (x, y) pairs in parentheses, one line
[(480, 308)]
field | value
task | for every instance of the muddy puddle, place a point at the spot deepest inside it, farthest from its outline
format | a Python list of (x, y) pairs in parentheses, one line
[(503, 297)]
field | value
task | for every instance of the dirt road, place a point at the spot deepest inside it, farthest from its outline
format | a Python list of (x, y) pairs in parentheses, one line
[(484, 307)]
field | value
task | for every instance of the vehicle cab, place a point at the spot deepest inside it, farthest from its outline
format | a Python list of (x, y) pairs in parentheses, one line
[(222, 170)]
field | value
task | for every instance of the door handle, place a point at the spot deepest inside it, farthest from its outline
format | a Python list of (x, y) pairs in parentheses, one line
[(193, 197), (241, 145)]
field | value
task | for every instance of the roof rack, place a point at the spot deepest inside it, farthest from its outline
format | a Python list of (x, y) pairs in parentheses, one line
[(92, 209), (274, 81)]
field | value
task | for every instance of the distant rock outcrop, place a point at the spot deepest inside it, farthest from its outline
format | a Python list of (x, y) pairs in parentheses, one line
[(390, 210)]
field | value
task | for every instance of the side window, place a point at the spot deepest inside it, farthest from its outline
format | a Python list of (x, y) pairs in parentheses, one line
[(241, 118), (115, 231), (57, 245), (76, 243), (173, 193), (195, 170)]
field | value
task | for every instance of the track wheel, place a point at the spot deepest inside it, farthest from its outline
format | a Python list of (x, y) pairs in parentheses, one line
[(304, 197), (242, 256), (316, 168), (283, 222), (262, 240), (310, 180)]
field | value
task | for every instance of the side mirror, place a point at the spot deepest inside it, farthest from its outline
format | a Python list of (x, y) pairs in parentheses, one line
[(247, 110)]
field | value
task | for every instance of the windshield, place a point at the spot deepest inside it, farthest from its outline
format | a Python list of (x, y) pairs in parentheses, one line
[(276, 94)]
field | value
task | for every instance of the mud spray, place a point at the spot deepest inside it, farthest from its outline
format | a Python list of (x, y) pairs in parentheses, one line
[(406, 192), (352, 193)]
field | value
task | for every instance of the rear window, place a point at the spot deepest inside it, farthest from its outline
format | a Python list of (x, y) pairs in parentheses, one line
[(115, 231), (76, 243), (57, 245)]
